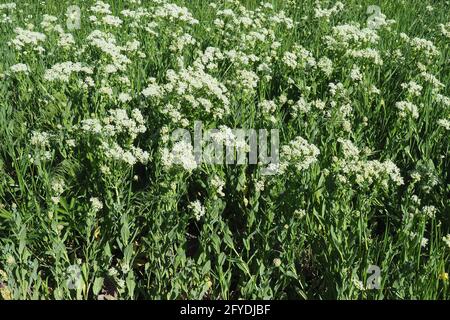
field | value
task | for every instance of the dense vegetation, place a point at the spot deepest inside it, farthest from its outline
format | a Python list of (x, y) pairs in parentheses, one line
[(98, 202)]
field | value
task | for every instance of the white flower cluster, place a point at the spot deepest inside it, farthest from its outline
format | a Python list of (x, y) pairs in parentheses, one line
[(364, 172), (445, 123), (301, 107), (224, 136), (27, 37), (301, 213), (446, 240), (319, 12), (355, 74), (378, 21), (173, 13), (48, 22), (58, 186), (153, 90), (348, 35), (248, 80), (429, 211), (182, 154), (325, 65), (66, 40), (198, 93), (431, 79), (421, 45), (445, 29), (96, 204), (198, 209), (218, 184), (443, 99), (111, 20), (118, 122), (41, 140), (107, 44), (181, 42), (424, 242), (8, 6), (131, 156), (100, 8), (299, 57), (407, 109), (299, 154), (413, 88), (136, 15), (112, 128), (337, 89), (62, 71), (20, 68), (349, 149), (368, 54), (268, 108)]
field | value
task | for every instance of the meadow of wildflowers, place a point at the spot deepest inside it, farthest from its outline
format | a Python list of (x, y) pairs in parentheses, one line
[(97, 200)]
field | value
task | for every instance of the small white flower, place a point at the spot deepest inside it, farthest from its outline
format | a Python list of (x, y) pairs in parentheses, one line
[(40, 139), (55, 200), (429, 211), (445, 123), (20, 68), (446, 240), (355, 74), (424, 242), (97, 205), (218, 185), (197, 208), (124, 97), (112, 20), (277, 262), (301, 213), (71, 143), (407, 108), (58, 186)]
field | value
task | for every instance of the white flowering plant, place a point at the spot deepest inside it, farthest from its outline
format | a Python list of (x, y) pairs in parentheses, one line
[(98, 201)]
